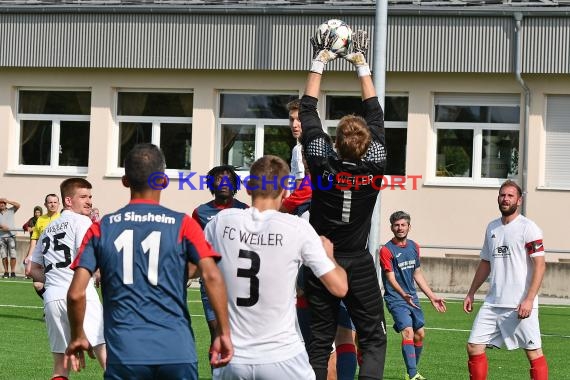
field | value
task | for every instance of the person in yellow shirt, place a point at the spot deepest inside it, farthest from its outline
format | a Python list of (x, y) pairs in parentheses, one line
[(52, 205)]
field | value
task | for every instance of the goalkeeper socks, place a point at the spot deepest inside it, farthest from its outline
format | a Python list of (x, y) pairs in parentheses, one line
[(418, 346), (41, 292), (478, 367), (539, 369), (345, 361), (409, 354)]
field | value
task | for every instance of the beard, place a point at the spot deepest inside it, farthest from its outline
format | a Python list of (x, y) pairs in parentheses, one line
[(508, 211)]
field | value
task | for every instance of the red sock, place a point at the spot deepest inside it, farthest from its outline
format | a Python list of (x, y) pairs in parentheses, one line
[(59, 378), (478, 367), (539, 369)]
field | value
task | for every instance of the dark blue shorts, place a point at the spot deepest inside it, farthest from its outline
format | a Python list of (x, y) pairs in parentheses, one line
[(407, 316), (208, 311), (186, 371)]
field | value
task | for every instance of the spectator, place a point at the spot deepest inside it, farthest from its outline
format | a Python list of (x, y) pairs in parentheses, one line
[(29, 225), (7, 237)]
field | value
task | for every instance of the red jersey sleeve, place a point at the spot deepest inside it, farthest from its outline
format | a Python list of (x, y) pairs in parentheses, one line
[(386, 259), (192, 236)]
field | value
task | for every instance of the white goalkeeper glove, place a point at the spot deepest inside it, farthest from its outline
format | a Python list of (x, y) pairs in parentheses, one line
[(321, 51), (358, 55)]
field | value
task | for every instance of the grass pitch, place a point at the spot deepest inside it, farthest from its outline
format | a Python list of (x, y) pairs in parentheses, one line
[(25, 355)]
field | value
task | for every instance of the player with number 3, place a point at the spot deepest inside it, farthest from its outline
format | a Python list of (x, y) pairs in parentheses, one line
[(262, 250)]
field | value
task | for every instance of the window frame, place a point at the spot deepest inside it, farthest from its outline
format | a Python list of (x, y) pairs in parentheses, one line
[(477, 99), (258, 124), (113, 168), (53, 168)]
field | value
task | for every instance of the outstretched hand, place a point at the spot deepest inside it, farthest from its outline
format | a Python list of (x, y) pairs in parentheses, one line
[(410, 301), (357, 57), (322, 53), (439, 304)]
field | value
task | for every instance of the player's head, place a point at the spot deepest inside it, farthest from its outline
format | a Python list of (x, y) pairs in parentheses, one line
[(140, 164), (352, 137), (267, 176), (38, 211), (400, 225), (294, 122), (510, 197), (223, 182), (51, 202), (76, 195)]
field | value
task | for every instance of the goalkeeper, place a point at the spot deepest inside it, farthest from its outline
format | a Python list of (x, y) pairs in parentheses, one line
[(342, 212)]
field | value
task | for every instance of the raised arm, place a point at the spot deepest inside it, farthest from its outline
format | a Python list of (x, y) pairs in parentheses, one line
[(437, 302)]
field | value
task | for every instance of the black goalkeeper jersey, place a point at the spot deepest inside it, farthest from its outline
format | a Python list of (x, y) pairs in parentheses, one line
[(344, 192)]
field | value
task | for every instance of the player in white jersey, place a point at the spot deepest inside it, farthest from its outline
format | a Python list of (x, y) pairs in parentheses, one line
[(513, 260), (50, 264), (262, 250)]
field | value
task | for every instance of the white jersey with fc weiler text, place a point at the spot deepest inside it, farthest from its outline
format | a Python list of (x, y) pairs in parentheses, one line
[(56, 250), (261, 254), (509, 249)]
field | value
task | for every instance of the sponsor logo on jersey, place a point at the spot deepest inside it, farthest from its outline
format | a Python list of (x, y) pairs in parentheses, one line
[(502, 251)]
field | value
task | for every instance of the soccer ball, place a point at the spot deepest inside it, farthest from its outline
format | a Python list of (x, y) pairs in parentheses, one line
[(339, 29)]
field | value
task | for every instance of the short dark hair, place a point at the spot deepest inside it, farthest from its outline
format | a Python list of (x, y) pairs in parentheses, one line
[(142, 161), (400, 215), (511, 183), (218, 170), (50, 195), (70, 185)]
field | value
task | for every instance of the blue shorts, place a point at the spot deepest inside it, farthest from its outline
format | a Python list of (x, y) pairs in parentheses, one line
[(343, 317), (208, 311), (407, 316), (185, 371)]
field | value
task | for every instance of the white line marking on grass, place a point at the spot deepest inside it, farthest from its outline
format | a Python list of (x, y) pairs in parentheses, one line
[(463, 330), (23, 306)]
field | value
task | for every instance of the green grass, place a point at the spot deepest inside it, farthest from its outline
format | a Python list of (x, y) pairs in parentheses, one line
[(25, 352)]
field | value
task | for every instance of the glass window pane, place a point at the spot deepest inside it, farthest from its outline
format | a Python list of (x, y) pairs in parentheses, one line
[(278, 141), (500, 155), (396, 108), (339, 106), (454, 153), (55, 102), (396, 139), (35, 142), (255, 106), (74, 143), (176, 143), (130, 135), (477, 114), (238, 145), (155, 104)]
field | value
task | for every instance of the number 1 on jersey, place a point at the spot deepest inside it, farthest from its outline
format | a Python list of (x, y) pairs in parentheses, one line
[(150, 245)]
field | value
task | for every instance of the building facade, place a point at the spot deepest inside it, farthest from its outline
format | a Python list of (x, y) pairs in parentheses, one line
[(476, 92)]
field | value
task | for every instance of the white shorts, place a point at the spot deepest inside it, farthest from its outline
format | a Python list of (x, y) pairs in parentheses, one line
[(498, 326), (59, 332), (297, 367)]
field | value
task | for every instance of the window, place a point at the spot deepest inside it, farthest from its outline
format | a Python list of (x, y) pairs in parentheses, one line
[(54, 130), (253, 125), (395, 123), (161, 118), (557, 154), (477, 137)]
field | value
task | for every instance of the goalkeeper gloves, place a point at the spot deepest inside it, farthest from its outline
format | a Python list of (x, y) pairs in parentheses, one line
[(321, 51), (358, 55)]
